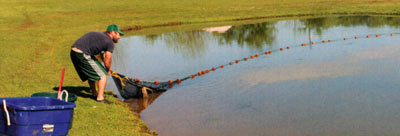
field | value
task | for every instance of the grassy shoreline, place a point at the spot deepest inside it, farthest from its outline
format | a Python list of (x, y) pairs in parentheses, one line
[(37, 35)]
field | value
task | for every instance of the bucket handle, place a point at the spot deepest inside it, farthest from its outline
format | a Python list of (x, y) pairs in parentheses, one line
[(5, 109), (66, 95)]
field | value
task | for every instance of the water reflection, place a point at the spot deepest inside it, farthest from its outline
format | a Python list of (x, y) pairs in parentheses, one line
[(191, 43), (194, 44), (254, 36), (258, 36), (339, 87), (221, 29), (318, 25)]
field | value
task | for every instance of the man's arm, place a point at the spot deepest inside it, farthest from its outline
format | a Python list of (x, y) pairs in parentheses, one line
[(107, 61), (102, 54)]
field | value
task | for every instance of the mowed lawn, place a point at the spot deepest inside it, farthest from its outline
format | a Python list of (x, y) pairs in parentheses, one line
[(36, 36)]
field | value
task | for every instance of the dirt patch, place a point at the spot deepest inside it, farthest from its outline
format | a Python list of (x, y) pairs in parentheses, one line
[(28, 21), (310, 15), (380, 1), (135, 28)]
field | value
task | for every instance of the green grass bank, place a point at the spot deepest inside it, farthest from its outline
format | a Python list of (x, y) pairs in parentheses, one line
[(36, 36)]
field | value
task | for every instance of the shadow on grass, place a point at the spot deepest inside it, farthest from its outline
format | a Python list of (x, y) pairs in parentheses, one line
[(78, 90)]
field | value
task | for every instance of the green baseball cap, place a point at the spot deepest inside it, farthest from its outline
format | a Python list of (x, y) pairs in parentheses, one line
[(115, 28)]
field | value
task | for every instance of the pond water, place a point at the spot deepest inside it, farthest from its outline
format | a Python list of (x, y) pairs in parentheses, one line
[(345, 87)]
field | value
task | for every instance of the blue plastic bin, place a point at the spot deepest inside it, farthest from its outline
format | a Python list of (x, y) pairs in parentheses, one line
[(36, 116)]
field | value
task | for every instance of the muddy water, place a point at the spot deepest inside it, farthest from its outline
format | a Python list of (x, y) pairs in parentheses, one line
[(346, 87)]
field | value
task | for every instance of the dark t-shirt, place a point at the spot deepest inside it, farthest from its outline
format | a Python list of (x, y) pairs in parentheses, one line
[(94, 43)]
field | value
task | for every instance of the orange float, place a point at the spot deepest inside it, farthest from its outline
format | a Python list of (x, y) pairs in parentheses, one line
[(345, 38), (368, 36), (237, 61), (266, 52), (203, 72), (199, 73), (356, 37), (251, 57), (281, 49), (304, 44), (245, 58), (213, 69), (192, 75), (392, 34), (230, 63), (170, 81), (178, 80), (270, 52), (377, 35), (222, 66), (324, 41), (256, 55), (156, 82), (313, 42), (329, 40), (137, 79), (288, 47)]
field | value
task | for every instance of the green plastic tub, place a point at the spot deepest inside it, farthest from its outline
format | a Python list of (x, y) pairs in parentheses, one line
[(71, 97)]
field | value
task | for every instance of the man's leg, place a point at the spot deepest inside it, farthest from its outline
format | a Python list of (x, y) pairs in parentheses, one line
[(95, 71), (92, 86), (102, 85)]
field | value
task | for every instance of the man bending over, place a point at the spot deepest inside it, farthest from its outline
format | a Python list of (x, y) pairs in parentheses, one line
[(87, 66)]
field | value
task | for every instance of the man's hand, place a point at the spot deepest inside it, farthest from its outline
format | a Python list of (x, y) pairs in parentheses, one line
[(110, 71)]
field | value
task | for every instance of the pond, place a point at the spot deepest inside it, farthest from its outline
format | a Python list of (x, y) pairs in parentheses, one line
[(343, 87)]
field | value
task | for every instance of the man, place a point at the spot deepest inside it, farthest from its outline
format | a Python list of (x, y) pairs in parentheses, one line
[(87, 66)]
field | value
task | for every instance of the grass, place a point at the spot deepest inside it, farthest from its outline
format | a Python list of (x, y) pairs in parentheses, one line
[(36, 36)]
